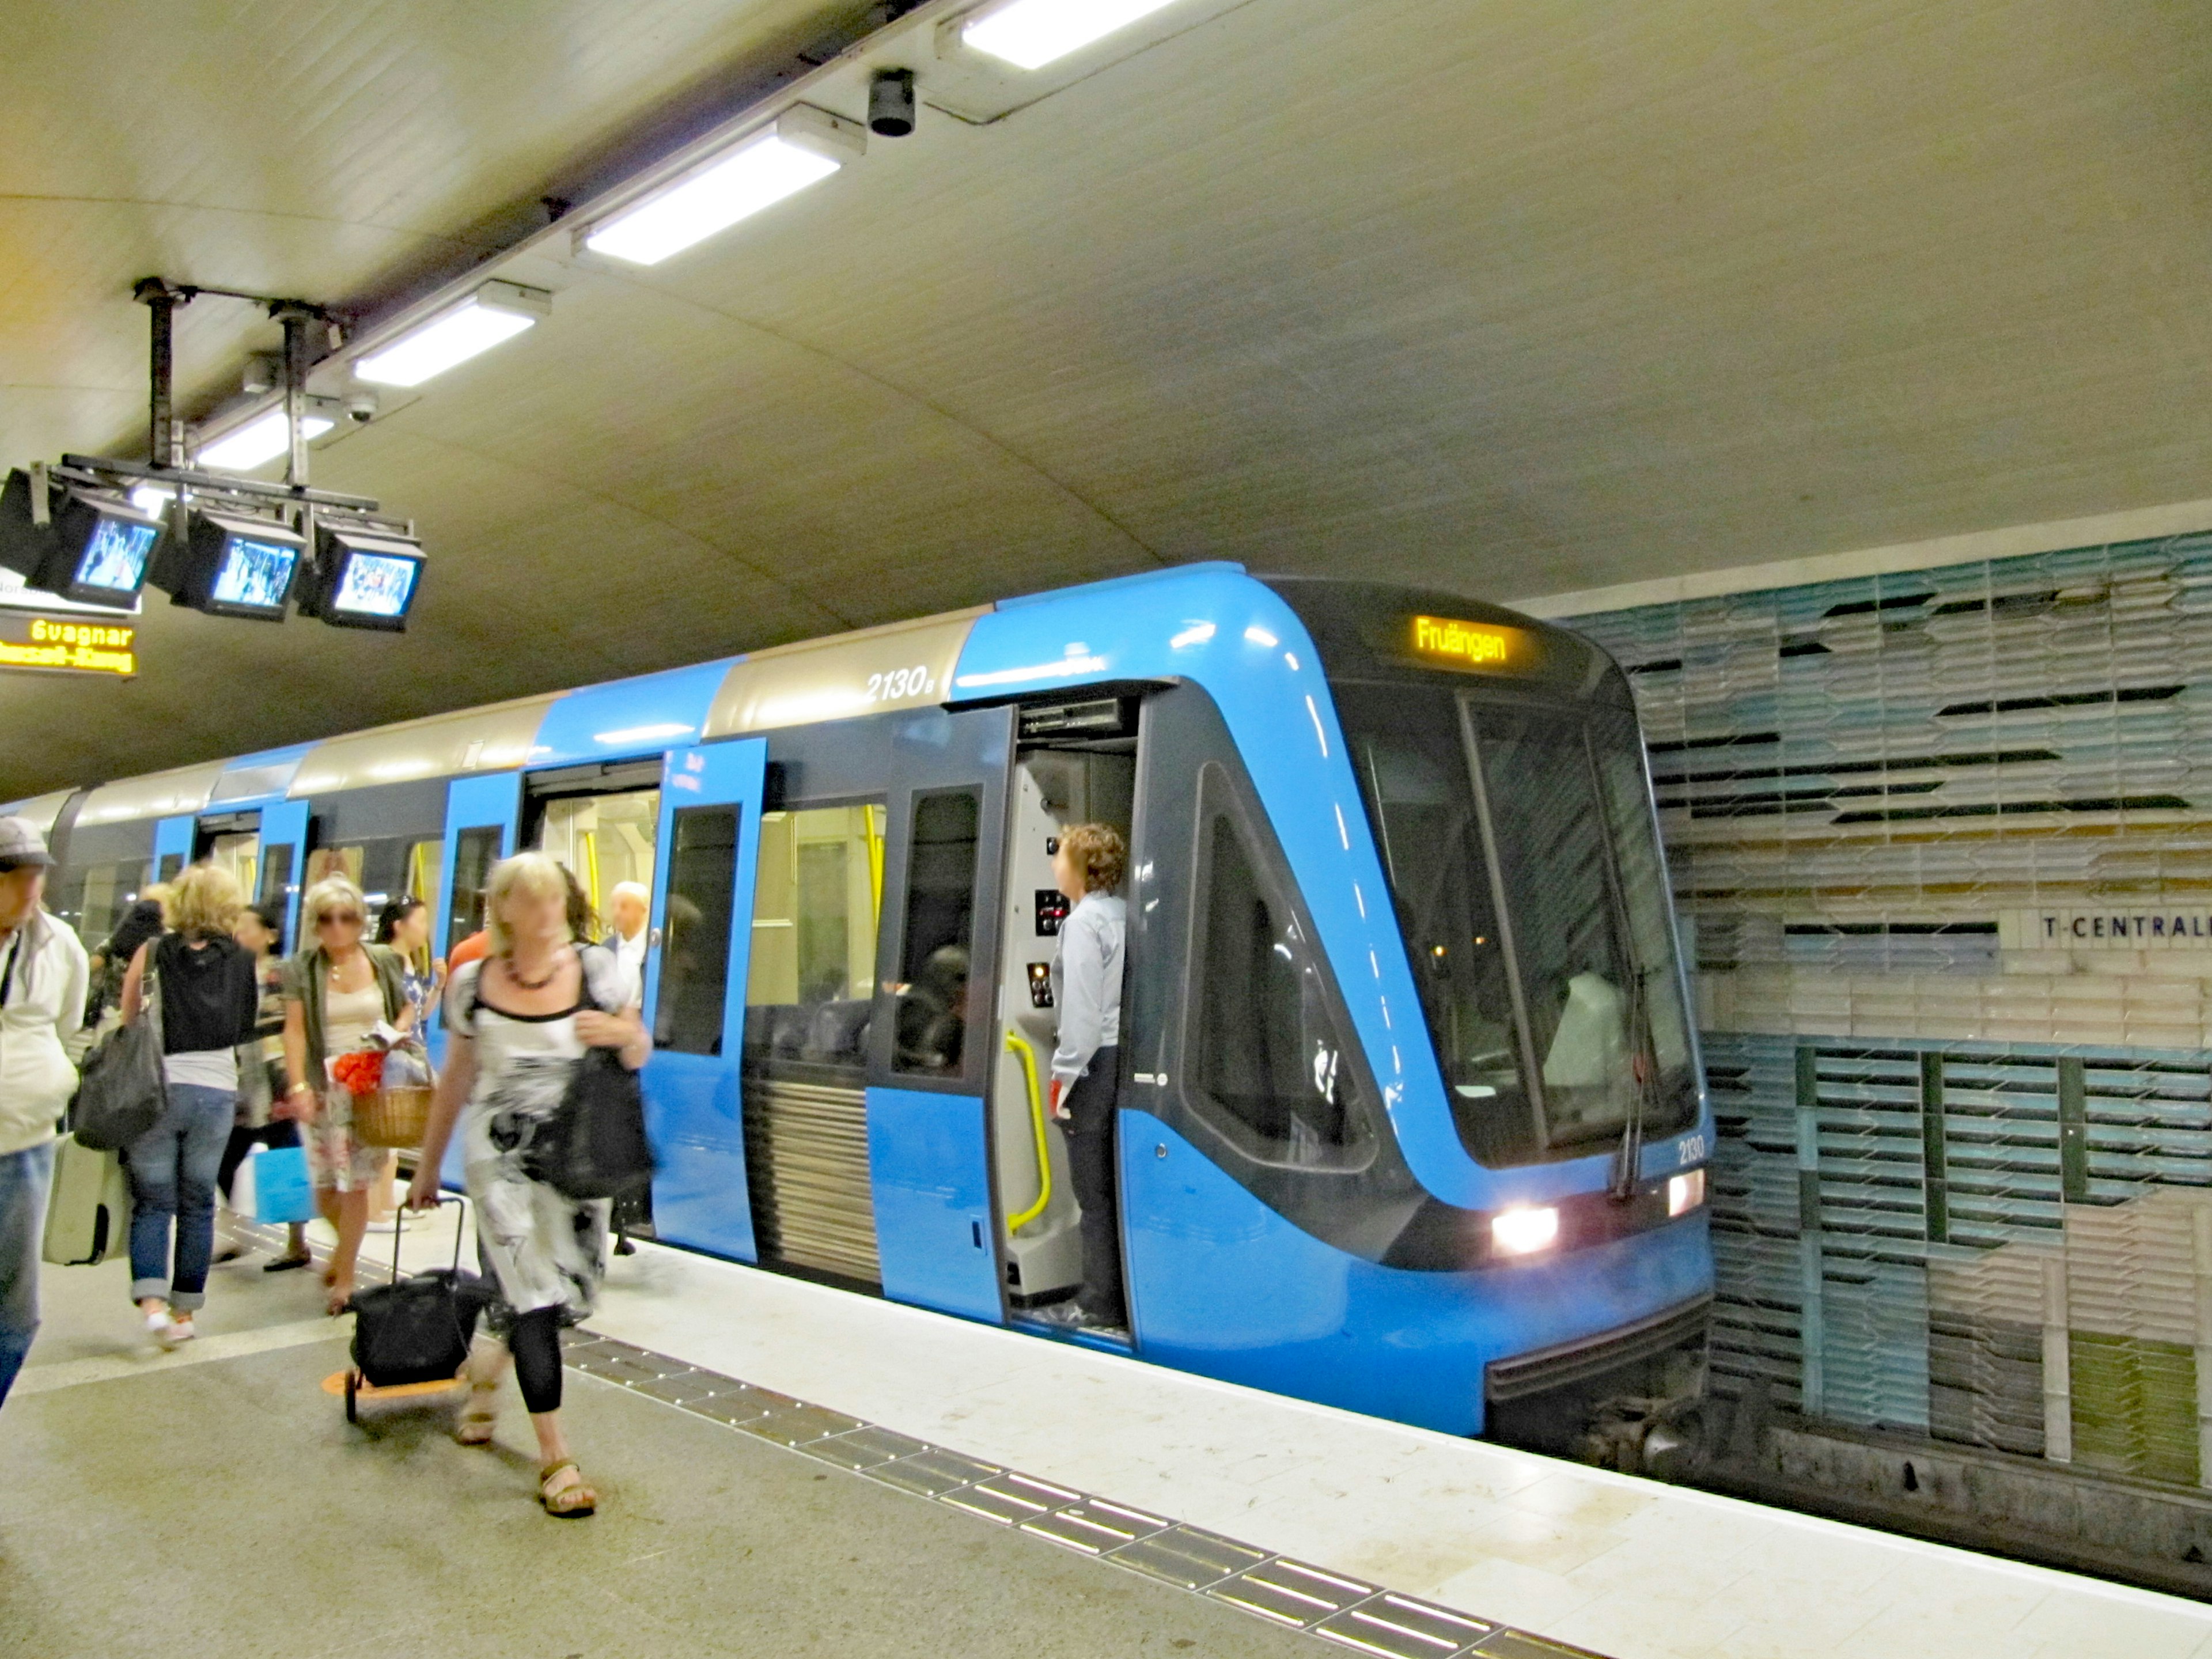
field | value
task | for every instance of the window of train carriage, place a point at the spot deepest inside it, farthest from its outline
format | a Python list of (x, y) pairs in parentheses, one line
[(474, 851), (938, 944), (1591, 938), (695, 940), (1265, 1046), (1411, 758), (383, 866), (810, 990), (94, 898)]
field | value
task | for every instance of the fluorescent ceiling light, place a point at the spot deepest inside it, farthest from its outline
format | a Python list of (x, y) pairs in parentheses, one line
[(261, 439), (153, 500), (1030, 34), (496, 312), (804, 147)]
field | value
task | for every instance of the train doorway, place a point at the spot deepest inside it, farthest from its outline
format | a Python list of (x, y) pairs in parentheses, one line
[(1074, 764)]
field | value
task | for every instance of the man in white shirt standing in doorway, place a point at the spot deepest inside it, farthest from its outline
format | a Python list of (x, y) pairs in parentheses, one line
[(632, 906), (42, 990)]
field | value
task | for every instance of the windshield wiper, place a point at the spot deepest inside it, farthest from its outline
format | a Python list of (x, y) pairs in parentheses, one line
[(1620, 1185)]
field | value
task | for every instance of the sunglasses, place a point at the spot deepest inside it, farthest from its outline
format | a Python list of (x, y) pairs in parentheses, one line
[(351, 917)]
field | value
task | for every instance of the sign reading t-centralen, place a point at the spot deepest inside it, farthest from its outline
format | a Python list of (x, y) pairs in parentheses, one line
[(63, 644)]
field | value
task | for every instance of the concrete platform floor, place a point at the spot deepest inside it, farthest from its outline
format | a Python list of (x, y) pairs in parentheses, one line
[(215, 1502)]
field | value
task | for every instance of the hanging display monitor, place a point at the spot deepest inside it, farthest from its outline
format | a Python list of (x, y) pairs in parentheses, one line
[(235, 567), (364, 578), (103, 547)]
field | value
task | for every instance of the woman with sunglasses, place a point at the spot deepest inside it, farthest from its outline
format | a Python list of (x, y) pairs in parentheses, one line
[(338, 990)]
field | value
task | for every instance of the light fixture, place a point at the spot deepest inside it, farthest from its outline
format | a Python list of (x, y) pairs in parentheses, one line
[(496, 312), (1524, 1231), (1030, 34), (804, 146), (1685, 1192), (261, 440)]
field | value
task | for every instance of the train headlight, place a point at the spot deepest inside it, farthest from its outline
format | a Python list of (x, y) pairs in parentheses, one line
[(1524, 1231), (1685, 1193)]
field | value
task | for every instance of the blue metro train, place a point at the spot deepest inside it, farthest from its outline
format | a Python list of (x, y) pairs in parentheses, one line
[(1411, 1115)]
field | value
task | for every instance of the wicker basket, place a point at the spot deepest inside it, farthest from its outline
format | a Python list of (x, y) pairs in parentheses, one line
[(391, 1117)]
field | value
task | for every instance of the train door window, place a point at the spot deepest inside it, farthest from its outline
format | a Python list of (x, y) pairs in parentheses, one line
[(171, 864), (816, 901), (475, 853), (1265, 1048), (605, 839), (272, 891), (940, 936), (694, 951)]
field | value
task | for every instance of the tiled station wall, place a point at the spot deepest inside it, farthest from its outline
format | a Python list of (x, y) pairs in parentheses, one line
[(1942, 844)]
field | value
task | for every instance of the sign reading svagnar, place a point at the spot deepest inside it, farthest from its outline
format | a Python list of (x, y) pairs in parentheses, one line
[(64, 644)]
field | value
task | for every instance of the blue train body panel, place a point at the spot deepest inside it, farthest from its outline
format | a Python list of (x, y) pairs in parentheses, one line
[(1222, 1286), (695, 1120), (640, 716), (932, 1186)]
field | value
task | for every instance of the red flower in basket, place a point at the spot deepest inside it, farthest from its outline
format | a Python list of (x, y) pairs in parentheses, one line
[(362, 1073)]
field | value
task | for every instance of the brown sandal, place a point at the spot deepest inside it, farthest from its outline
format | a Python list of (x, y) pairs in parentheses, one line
[(479, 1417), (573, 1501)]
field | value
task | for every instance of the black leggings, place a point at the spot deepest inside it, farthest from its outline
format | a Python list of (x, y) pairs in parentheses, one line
[(535, 1342)]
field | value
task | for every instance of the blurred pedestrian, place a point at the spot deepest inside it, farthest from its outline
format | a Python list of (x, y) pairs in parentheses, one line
[(341, 995), (43, 979), (405, 927), (517, 1024), (632, 906), (209, 998)]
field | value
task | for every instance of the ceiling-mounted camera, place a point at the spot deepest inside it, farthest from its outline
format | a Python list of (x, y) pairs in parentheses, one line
[(891, 103), (361, 407)]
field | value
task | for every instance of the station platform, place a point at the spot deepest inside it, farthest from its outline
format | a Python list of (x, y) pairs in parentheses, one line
[(787, 1467)]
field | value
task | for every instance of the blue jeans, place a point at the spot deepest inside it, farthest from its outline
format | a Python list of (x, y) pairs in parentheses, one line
[(173, 1169), (25, 1177)]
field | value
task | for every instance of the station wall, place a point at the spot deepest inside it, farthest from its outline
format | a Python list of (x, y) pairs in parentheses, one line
[(1941, 843)]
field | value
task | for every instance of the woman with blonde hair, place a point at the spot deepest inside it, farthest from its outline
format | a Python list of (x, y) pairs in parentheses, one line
[(518, 1022), (340, 995), (209, 996)]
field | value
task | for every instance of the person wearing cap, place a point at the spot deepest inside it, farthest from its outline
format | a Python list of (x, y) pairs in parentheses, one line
[(43, 978)]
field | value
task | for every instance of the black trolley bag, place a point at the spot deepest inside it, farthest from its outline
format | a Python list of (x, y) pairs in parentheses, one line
[(416, 1330)]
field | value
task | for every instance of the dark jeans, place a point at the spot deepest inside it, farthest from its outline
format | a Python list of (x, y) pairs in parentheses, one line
[(25, 1177), (1091, 1161), (172, 1168)]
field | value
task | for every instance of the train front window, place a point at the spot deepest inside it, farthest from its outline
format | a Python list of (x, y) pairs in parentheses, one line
[(1555, 1030)]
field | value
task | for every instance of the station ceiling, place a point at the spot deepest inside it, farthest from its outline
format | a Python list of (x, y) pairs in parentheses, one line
[(1515, 298)]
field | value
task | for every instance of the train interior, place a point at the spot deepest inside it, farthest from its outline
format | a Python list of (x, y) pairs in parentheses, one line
[(1063, 779)]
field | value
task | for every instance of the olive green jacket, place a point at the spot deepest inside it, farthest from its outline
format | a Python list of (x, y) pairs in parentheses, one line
[(307, 973)]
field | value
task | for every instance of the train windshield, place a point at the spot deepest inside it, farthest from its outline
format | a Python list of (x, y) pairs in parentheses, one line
[(1558, 1019)]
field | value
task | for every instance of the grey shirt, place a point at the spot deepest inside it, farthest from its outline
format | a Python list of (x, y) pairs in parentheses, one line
[(1086, 982)]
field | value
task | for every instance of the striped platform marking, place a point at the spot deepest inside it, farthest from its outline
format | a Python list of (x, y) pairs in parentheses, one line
[(1285, 1592)]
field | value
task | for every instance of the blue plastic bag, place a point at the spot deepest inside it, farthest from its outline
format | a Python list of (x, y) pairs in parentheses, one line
[(281, 1192)]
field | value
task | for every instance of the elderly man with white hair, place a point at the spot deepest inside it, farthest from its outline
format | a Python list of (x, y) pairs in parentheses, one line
[(632, 907)]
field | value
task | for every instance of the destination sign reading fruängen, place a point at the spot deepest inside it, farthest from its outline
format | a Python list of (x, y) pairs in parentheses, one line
[(1470, 647)]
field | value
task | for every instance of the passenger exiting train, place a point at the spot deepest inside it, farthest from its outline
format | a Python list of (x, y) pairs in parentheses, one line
[(260, 930), (518, 1022), (1086, 987), (404, 926), (208, 994), (338, 991)]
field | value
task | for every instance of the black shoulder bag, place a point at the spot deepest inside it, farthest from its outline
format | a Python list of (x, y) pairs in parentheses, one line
[(593, 1145)]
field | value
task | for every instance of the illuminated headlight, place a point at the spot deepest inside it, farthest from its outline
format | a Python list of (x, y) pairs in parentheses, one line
[(1685, 1192), (1523, 1232)]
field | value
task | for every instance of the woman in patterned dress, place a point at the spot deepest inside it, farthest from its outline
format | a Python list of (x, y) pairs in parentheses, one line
[(518, 1022)]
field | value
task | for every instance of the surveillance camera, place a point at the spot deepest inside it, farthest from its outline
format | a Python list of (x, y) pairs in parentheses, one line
[(890, 103), (361, 407)]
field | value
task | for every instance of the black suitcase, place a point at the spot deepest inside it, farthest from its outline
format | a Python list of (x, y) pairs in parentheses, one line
[(416, 1330)]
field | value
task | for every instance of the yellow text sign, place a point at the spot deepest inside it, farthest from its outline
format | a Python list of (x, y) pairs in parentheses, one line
[(72, 647), (1446, 642)]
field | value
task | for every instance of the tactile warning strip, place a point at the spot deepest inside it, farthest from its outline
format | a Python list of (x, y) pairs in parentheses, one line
[(1329, 1605)]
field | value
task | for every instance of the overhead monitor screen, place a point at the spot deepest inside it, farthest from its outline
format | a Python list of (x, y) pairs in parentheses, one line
[(255, 574), (114, 559), (376, 585)]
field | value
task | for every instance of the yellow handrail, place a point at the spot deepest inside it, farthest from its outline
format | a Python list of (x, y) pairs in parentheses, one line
[(1028, 1056)]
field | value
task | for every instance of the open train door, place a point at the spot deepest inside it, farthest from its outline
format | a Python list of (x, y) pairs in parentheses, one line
[(283, 861), (480, 819), (172, 845), (703, 874)]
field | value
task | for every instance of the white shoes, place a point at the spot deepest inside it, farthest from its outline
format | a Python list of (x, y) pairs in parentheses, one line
[(165, 1328)]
